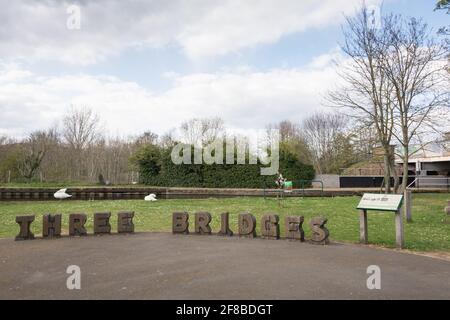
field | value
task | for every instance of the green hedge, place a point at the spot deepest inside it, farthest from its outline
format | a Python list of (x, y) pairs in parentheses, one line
[(157, 169)]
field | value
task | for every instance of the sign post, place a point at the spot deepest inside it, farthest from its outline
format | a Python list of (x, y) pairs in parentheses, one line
[(381, 202), (363, 236), (407, 205)]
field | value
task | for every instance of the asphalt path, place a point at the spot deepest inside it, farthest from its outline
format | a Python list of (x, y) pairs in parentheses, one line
[(166, 266)]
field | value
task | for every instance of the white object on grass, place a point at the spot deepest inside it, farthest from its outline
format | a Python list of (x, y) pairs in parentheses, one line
[(150, 197), (61, 194)]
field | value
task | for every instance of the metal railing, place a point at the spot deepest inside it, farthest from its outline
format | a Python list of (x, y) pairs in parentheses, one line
[(427, 182), (430, 182), (301, 184), (369, 171), (308, 182)]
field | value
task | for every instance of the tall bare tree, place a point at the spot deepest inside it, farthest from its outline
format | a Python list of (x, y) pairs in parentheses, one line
[(201, 131), (416, 67), (365, 89), (326, 139), (80, 131), (291, 137), (80, 127)]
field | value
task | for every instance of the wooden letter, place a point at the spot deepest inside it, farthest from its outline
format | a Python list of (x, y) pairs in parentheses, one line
[(125, 222), (320, 234), (76, 224), (270, 228), (247, 225), (51, 225), (180, 222), (101, 223), (25, 223), (202, 221), (294, 228), (225, 225)]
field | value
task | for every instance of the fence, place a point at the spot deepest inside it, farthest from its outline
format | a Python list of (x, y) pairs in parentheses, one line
[(298, 188), (423, 182)]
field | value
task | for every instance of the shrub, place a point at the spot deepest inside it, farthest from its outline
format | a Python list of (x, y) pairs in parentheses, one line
[(157, 169)]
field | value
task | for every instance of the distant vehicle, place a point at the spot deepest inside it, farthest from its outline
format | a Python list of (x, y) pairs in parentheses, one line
[(62, 194), (150, 197)]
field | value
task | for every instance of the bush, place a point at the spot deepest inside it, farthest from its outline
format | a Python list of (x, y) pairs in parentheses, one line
[(101, 180), (157, 169), (148, 161)]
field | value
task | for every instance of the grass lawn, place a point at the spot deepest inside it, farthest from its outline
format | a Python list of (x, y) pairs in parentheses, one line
[(428, 232)]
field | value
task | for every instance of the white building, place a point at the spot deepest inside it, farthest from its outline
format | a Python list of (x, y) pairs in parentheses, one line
[(431, 159)]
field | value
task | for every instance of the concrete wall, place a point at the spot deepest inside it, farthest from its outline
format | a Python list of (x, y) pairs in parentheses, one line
[(329, 181), (138, 193)]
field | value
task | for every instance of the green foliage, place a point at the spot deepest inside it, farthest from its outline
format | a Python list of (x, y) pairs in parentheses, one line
[(147, 159), (442, 5), (30, 163), (157, 169), (345, 154), (9, 165)]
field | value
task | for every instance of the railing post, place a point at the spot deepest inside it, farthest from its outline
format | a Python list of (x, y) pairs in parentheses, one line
[(303, 189), (321, 183)]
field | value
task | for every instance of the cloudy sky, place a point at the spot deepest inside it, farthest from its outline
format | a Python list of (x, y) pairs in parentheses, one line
[(148, 65)]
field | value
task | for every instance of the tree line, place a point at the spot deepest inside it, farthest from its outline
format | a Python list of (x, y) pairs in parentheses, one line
[(78, 151)]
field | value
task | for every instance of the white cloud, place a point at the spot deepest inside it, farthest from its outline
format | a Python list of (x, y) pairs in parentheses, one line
[(244, 99), (202, 28), (335, 56)]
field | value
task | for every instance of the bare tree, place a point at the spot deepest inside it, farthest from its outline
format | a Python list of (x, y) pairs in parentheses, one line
[(365, 90), (364, 140), (326, 138), (291, 137), (80, 127), (167, 140), (288, 131), (201, 131), (416, 66), (3, 140), (147, 137), (80, 132)]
